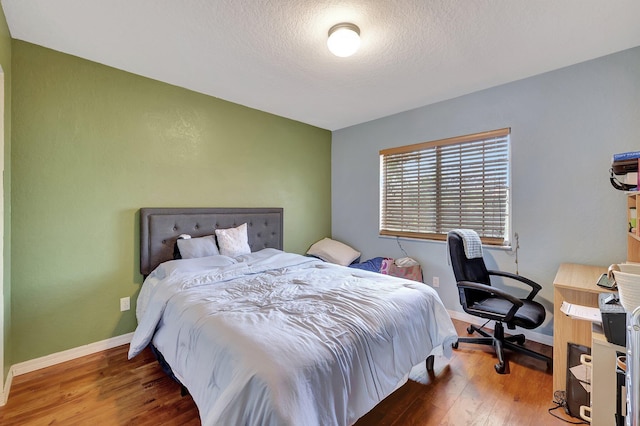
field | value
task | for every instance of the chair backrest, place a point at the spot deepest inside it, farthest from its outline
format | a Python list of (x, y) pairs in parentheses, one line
[(466, 269)]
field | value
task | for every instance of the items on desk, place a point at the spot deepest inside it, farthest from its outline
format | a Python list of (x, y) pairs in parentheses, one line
[(580, 312), (627, 278), (614, 318), (606, 281)]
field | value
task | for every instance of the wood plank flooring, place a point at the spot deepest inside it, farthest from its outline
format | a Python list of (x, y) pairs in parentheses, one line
[(107, 389)]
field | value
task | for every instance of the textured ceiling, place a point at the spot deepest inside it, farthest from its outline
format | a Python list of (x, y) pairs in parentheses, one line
[(271, 54)]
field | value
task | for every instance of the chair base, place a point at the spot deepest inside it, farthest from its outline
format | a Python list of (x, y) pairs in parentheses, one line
[(500, 342)]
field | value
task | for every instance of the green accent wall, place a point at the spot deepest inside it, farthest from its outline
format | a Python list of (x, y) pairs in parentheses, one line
[(5, 61), (92, 145)]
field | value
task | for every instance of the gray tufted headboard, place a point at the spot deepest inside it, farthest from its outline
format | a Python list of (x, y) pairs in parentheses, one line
[(160, 227)]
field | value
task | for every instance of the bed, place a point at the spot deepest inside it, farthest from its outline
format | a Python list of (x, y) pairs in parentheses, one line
[(276, 338)]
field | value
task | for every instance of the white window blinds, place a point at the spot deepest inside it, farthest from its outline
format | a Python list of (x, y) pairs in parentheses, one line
[(427, 189)]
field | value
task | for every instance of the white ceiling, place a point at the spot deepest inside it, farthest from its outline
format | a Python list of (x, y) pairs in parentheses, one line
[(271, 54)]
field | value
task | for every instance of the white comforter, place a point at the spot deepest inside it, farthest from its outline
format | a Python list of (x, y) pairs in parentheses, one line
[(275, 338)]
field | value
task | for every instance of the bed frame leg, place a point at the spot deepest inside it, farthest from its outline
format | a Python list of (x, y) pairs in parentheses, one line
[(429, 362)]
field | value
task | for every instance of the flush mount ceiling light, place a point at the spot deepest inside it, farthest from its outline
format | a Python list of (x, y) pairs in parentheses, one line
[(344, 39)]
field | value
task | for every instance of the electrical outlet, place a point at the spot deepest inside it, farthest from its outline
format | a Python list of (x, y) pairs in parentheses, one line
[(125, 304), (436, 281)]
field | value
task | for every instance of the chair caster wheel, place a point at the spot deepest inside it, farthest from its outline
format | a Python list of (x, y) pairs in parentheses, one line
[(454, 345), (470, 330), (500, 368), (520, 340)]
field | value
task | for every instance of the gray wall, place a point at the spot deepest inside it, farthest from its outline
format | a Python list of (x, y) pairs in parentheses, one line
[(565, 126)]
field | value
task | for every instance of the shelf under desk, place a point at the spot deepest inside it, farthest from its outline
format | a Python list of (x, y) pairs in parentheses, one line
[(573, 283)]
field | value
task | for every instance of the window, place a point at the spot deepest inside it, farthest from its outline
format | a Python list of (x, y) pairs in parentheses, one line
[(429, 188)]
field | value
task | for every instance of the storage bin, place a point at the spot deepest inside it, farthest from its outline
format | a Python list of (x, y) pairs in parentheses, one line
[(628, 282)]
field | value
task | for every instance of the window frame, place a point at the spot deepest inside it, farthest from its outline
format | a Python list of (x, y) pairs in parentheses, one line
[(440, 234)]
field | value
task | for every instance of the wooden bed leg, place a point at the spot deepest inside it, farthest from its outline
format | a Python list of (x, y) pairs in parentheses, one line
[(430, 360)]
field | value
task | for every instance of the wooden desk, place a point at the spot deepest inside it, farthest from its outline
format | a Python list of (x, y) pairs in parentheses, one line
[(575, 284)]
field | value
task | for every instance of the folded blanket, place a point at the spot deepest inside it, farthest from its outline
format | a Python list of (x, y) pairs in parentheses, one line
[(471, 242)]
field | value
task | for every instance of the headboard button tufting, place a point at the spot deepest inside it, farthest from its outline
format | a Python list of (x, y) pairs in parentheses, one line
[(159, 228)]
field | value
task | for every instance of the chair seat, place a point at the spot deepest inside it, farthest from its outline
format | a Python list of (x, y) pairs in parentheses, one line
[(529, 316)]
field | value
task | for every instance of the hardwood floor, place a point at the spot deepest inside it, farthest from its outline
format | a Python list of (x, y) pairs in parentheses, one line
[(107, 389)]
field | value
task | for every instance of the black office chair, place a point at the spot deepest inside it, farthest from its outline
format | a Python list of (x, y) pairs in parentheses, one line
[(479, 298)]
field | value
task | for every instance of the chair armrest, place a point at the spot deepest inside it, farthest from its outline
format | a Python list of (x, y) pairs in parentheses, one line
[(535, 287), (492, 290), (517, 303)]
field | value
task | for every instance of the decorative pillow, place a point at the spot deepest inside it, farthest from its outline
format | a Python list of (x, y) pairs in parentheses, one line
[(334, 252), (192, 248), (233, 241), (176, 250)]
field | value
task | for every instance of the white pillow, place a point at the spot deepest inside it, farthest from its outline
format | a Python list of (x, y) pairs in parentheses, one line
[(192, 248), (333, 251), (233, 241)]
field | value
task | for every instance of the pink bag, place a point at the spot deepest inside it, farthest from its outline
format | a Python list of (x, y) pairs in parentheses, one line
[(413, 272)]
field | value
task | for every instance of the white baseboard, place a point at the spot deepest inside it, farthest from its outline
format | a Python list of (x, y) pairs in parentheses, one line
[(59, 357), (530, 335), (4, 396), (68, 355)]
